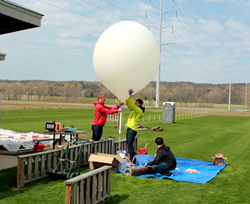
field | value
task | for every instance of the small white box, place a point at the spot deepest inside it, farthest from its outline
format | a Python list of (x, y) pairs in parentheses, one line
[(122, 165)]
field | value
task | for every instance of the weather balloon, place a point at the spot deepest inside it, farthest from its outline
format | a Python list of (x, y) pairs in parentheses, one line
[(126, 56)]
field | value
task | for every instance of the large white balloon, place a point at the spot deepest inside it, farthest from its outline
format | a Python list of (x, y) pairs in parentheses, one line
[(126, 56)]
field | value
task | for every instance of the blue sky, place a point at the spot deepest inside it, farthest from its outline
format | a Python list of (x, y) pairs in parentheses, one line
[(211, 37)]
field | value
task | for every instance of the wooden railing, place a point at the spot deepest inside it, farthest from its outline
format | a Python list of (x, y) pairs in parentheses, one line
[(123, 145), (91, 187), (32, 167), (114, 118)]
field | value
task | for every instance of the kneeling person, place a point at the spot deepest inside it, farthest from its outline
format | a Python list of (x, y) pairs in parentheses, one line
[(164, 159)]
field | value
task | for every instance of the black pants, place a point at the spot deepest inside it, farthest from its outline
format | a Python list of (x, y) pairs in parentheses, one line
[(130, 140), (97, 132)]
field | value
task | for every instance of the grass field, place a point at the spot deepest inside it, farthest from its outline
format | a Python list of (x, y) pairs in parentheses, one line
[(198, 137)]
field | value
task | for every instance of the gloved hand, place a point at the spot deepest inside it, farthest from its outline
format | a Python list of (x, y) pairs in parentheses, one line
[(121, 104), (130, 91), (120, 110)]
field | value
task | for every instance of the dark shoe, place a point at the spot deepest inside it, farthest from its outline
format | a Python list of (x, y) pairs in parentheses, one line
[(169, 174)]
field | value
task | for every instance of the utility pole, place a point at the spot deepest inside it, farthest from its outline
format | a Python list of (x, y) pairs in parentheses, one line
[(229, 96), (246, 97), (157, 101), (0, 107)]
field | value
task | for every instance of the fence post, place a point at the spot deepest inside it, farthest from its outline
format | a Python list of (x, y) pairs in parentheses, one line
[(135, 143), (118, 121), (20, 173), (69, 198), (113, 144), (0, 106)]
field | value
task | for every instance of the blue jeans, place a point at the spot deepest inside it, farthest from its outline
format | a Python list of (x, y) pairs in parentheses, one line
[(97, 132), (162, 168), (130, 140)]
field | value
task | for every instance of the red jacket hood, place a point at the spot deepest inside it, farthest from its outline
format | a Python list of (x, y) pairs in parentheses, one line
[(98, 102)]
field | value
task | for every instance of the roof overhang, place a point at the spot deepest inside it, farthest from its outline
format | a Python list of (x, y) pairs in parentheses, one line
[(2, 56), (14, 17)]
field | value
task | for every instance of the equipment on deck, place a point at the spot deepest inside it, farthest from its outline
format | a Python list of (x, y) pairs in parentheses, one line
[(69, 129), (53, 126)]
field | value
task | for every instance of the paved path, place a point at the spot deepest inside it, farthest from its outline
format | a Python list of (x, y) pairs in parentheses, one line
[(7, 161)]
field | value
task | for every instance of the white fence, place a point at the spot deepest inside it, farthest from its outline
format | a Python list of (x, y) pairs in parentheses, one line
[(177, 115)]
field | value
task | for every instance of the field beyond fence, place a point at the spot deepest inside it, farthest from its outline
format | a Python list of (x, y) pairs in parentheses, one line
[(198, 137)]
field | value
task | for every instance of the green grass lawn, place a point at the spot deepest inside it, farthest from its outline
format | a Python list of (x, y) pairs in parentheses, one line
[(197, 137)]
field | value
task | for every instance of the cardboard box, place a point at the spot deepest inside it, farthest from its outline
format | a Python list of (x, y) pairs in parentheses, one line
[(99, 159), (219, 159)]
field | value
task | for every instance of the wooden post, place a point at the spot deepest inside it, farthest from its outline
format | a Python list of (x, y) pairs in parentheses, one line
[(135, 143), (36, 164), (68, 194), (113, 144), (20, 173), (108, 185), (118, 121)]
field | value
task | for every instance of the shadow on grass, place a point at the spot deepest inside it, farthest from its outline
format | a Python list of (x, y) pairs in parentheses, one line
[(8, 178), (177, 123), (117, 199), (8, 183)]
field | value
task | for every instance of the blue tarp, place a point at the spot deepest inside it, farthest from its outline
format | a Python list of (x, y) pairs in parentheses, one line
[(207, 170)]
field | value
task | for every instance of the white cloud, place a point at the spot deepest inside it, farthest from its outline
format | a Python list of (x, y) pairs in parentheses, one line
[(211, 27)]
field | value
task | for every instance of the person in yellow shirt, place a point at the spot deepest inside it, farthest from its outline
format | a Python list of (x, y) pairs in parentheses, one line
[(136, 113)]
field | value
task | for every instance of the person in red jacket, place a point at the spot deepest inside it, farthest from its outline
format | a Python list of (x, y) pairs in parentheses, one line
[(100, 118)]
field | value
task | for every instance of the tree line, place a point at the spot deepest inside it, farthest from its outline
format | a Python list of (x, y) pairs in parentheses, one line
[(182, 92)]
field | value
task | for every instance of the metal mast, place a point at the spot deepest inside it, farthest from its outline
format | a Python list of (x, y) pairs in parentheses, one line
[(157, 101), (246, 97), (229, 96), (0, 107)]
